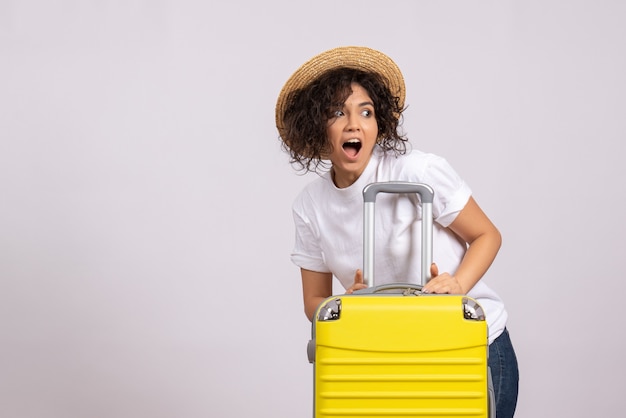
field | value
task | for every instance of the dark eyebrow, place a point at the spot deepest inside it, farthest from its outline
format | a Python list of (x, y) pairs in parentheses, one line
[(366, 104)]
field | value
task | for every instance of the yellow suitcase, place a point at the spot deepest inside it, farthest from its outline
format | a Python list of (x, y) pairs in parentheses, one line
[(391, 351)]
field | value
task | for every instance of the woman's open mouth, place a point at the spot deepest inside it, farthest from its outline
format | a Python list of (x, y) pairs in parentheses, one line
[(352, 147)]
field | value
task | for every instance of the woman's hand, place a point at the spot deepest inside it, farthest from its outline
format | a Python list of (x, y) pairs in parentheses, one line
[(358, 283), (442, 283)]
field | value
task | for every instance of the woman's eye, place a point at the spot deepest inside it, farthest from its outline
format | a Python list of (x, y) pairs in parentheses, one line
[(366, 112), (337, 113)]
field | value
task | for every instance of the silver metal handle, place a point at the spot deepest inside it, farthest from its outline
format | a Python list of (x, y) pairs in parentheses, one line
[(405, 289), (369, 197)]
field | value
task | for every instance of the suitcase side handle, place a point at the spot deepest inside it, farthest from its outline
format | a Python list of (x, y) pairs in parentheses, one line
[(426, 194)]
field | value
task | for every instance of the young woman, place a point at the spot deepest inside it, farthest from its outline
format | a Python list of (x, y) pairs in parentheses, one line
[(342, 110)]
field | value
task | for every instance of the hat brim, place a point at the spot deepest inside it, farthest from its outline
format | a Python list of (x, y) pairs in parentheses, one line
[(362, 58)]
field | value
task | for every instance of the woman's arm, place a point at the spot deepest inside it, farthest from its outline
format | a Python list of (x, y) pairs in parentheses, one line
[(316, 287), (483, 240)]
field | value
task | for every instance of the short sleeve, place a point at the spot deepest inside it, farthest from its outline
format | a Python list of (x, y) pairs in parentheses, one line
[(451, 192), (306, 253)]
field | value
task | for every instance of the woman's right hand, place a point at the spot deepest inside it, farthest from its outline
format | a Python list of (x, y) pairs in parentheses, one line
[(358, 283)]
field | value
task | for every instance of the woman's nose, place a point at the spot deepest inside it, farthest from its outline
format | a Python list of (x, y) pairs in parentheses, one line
[(352, 123)]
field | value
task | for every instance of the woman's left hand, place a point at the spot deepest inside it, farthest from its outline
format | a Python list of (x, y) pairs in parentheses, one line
[(442, 283)]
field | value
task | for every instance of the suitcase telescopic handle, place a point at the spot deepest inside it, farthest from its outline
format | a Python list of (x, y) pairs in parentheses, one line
[(426, 194)]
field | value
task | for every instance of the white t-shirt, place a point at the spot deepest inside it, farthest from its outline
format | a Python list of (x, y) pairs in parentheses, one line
[(329, 226)]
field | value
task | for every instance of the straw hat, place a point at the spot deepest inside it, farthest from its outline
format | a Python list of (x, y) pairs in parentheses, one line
[(349, 56)]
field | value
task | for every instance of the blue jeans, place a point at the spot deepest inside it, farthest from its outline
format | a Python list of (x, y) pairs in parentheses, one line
[(505, 375)]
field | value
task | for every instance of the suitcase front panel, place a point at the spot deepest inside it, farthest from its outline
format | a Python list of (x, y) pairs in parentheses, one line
[(400, 356)]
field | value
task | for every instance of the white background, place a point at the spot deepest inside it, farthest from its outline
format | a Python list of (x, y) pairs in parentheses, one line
[(145, 223)]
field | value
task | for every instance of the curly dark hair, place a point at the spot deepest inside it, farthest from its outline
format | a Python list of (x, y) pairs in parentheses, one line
[(309, 109)]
